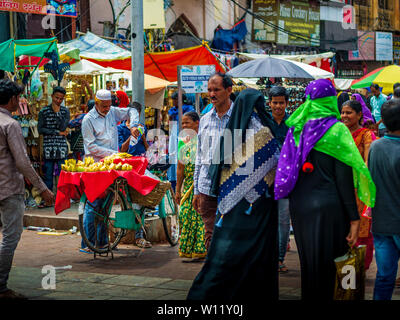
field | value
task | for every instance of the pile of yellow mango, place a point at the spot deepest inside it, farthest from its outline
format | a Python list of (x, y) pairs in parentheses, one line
[(88, 165)]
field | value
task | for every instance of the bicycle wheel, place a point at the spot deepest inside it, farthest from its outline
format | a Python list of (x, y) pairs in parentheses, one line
[(114, 235), (169, 216)]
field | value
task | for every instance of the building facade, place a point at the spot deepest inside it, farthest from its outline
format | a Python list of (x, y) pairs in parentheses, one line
[(200, 16), (28, 23)]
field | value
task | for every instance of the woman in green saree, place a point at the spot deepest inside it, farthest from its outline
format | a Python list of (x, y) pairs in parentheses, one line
[(191, 244)]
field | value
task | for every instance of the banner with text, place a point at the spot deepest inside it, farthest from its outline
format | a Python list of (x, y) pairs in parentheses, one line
[(384, 46), (66, 8), (288, 22), (194, 79)]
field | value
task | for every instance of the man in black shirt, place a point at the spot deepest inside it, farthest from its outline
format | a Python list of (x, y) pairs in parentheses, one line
[(52, 124), (278, 101)]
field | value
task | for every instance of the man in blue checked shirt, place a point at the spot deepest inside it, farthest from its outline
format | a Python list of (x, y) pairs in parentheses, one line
[(100, 139)]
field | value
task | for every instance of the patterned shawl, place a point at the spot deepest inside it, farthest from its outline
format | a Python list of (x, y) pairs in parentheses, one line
[(248, 160)]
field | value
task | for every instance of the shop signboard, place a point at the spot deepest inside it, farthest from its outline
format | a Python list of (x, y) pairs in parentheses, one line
[(297, 22), (38, 7), (396, 49), (366, 47), (194, 79), (60, 8), (384, 46), (267, 10), (65, 8)]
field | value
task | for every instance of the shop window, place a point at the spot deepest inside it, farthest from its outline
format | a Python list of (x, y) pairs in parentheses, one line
[(385, 4)]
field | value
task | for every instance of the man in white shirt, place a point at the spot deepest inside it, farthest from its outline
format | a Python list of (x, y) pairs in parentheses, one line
[(211, 127), (100, 139)]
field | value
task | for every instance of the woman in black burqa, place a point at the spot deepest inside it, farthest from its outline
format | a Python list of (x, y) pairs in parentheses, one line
[(243, 254)]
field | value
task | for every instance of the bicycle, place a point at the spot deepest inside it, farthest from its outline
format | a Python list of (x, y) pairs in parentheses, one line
[(167, 207), (117, 215)]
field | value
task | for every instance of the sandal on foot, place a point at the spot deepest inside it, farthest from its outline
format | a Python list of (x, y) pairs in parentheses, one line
[(283, 268), (142, 243)]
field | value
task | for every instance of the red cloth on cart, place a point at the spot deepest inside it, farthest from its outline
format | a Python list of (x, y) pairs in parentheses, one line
[(94, 184)]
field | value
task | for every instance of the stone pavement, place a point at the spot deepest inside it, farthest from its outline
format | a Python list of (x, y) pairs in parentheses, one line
[(134, 274)]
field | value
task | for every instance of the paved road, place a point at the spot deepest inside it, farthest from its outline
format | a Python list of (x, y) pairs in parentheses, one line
[(145, 274)]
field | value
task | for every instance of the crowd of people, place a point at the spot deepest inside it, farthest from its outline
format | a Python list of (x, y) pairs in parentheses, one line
[(325, 167), (243, 177)]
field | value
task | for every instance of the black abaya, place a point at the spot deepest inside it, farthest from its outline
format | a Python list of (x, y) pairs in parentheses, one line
[(322, 204), (242, 262)]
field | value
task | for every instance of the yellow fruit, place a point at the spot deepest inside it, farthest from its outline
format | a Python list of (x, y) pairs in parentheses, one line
[(35, 192), (72, 164), (89, 161), (122, 155), (38, 200), (118, 166)]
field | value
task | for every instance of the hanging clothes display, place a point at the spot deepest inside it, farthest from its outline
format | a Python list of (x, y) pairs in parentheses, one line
[(229, 60), (224, 39)]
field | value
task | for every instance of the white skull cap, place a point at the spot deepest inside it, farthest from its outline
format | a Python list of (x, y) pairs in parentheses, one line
[(103, 94)]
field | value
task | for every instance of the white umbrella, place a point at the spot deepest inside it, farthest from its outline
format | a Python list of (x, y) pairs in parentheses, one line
[(270, 68), (84, 66), (317, 73)]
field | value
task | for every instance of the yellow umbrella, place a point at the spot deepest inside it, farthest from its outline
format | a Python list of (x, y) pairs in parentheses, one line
[(385, 77)]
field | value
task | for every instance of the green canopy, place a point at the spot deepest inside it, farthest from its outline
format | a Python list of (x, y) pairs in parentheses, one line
[(11, 49)]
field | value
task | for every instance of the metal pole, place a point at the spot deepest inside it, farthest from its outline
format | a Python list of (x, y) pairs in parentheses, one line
[(11, 15), (198, 103), (180, 102), (137, 47)]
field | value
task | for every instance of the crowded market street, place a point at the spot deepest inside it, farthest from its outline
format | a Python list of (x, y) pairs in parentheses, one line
[(200, 158), (134, 274)]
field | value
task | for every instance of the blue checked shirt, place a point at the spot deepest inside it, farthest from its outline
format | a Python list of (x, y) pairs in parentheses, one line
[(376, 104), (211, 127), (100, 134)]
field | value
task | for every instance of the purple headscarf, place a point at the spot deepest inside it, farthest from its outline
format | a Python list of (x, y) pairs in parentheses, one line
[(292, 157), (320, 88), (367, 116)]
